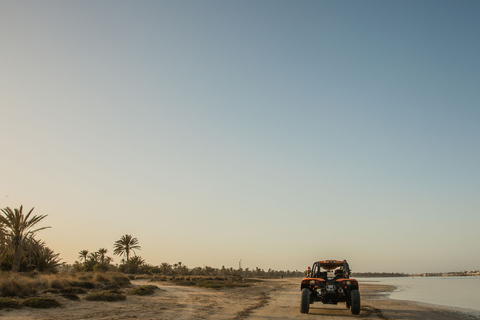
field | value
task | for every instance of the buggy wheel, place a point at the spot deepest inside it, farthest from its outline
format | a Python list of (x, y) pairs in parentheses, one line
[(355, 302), (305, 302)]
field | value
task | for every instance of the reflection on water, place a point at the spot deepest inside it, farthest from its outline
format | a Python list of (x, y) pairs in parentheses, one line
[(460, 292)]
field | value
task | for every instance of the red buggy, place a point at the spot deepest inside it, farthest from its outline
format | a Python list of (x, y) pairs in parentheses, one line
[(329, 282)]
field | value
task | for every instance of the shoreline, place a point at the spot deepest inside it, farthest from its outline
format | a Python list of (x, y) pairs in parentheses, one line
[(379, 297), (455, 311)]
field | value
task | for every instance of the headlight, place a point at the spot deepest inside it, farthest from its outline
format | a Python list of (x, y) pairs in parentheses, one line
[(348, 283)]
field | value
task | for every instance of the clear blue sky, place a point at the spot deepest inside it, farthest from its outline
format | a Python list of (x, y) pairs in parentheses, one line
[(276, 132)]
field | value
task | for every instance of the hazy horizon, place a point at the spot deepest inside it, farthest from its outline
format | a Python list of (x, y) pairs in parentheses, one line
[(275, 132)]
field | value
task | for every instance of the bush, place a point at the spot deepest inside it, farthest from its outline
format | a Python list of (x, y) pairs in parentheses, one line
[(105, 296), (99, 277), (85, 277), (26, 285), (36, 302), (19, 286), (121, 280), (82, 284), (100, 267), (143, 290), (57, 283), (70, 296), (6, 303), (73, 290)]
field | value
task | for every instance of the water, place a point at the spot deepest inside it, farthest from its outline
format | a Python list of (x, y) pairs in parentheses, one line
[(457, 292)]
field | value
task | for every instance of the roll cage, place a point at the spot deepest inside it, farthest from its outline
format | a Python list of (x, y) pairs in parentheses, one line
[(342, 269)]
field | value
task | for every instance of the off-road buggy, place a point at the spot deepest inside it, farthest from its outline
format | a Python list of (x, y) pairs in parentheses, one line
[(329, 282)]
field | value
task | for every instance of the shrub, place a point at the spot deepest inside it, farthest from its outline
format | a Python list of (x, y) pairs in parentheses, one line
[(27, 285), (74, 290), (57, 283), (121, 280), (36, 302), (70, 296), (6, 303), (110, 295), (99, 267), (20, 287), (85, 277), (99, 277), (143, 290), (82, 284)]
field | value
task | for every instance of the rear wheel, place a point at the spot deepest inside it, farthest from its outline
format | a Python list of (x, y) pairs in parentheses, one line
[(355, 302), (305, 302)]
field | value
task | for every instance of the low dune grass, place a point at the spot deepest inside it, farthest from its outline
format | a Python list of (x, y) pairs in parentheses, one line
[(106, 295), (8, 303), (214, 282), (38, 302), (29, 284), (143, 290)]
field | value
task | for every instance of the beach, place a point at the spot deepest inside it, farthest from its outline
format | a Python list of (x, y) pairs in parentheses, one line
[(269, 299)]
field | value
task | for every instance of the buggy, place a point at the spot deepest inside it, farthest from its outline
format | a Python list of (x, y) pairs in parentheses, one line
[(329, 282)]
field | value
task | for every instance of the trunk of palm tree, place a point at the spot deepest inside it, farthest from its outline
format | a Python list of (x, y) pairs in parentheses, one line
[(128, 261), (17, 257)]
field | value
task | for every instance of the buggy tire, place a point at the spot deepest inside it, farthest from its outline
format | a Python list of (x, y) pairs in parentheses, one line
[(355, 302), (305, 301)]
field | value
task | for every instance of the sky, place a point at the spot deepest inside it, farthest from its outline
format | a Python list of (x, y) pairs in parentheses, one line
[(275, 133)]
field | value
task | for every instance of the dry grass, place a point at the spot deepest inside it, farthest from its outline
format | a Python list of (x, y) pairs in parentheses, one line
[(7, 303), (213, 282), (26, 285), (144, 290), (36, 302), (110, 295)]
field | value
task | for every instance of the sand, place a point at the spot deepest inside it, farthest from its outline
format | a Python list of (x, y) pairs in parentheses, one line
[(271, 299)]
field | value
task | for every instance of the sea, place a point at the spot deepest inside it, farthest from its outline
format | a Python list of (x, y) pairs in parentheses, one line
[(454, 292)]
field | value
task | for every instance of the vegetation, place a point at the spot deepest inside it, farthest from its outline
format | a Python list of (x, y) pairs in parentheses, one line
[(25, 285), (124, 246), (97, 261), (83, 254), (214, 282), (143, 290), (19, 250), (29, 270), (36, 302), (7, 303), (109, 295)]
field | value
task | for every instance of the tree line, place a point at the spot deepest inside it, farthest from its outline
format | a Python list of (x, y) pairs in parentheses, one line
[(21, 251)]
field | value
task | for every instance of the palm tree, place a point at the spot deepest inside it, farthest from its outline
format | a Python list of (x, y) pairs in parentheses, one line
[(41, 257), (135, 263), (123, 247), (3, 241), (166, 268), (102, 253), (83, 254), (94, 256), (18, 227)]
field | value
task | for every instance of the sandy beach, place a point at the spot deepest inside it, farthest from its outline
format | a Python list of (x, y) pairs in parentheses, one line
[(270, 299)]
